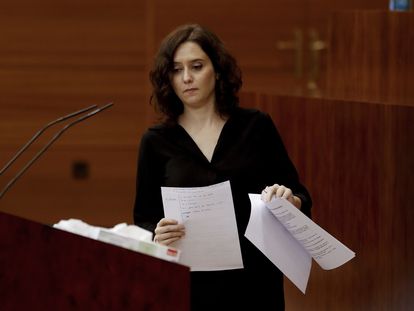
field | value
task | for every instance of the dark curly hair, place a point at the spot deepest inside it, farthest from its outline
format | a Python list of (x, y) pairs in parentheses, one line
[(228, 82)]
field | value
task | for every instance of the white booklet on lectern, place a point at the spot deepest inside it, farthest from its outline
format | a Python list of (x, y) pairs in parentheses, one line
[(127, 236), (290, 240)]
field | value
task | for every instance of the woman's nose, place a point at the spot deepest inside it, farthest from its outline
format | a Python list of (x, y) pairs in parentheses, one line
[(187, 77)]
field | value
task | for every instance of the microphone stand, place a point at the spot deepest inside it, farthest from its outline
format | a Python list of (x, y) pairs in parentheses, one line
[(50, 142)]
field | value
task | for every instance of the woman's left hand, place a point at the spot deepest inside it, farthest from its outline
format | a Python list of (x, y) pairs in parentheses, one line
[(280, 191)]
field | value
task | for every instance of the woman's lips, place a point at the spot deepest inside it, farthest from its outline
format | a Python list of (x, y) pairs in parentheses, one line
[(191, 90)]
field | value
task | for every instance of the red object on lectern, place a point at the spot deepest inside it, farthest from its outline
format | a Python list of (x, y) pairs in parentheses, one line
[(43, 268)]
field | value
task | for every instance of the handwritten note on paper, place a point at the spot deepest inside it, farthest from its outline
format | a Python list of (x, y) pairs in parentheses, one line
[(290, 239), (211, 241)]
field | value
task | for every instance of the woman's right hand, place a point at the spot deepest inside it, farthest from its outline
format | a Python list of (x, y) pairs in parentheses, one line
[(168, 231)]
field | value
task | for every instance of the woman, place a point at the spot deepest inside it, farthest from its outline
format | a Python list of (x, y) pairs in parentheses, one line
[(204, 139)]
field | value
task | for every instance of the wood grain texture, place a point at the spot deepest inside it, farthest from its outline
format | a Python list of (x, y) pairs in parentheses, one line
[(57, 57), (357, 160), (370, 57), (48, 269), (49, 191)]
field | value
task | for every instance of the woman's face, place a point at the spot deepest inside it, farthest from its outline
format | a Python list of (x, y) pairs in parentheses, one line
[(193, 77)]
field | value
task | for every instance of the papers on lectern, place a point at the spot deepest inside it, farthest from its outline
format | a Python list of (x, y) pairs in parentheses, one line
[(127, 236)]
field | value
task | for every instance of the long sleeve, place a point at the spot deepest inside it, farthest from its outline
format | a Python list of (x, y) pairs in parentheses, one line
[(250, 154), (283, 167), (148, 202)]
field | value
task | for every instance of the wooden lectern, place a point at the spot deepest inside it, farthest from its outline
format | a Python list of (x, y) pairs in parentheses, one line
[(43, 268)]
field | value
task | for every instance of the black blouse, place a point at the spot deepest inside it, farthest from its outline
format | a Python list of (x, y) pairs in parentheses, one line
[(249, 153)]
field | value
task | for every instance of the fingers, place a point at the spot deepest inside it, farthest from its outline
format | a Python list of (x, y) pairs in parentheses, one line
[(168, 231), (267, 194), (169, 241), (284, 193), (278, 191)]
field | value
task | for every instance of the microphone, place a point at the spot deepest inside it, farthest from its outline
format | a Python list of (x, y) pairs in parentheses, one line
[(40, 132), (50, 142)]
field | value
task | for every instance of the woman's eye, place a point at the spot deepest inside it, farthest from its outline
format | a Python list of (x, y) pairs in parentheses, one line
[(197, 66), (176, 70)]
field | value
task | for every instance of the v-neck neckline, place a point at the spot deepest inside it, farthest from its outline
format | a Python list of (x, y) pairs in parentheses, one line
[(197, 148)]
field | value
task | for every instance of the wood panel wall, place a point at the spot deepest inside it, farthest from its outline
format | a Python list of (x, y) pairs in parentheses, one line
[(254, 32), (370, 57), (356, 159), (59, 57)]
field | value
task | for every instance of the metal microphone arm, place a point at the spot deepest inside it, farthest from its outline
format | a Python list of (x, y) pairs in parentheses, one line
[(40, 132), (54, 138)]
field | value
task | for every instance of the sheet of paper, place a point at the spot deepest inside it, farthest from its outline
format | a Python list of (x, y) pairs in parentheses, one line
[(327, 251), (290, 240), (274, 241), (211, 241)]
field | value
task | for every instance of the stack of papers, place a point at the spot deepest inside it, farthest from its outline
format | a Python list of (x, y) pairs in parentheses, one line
[(290, 240), (278, 229)]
